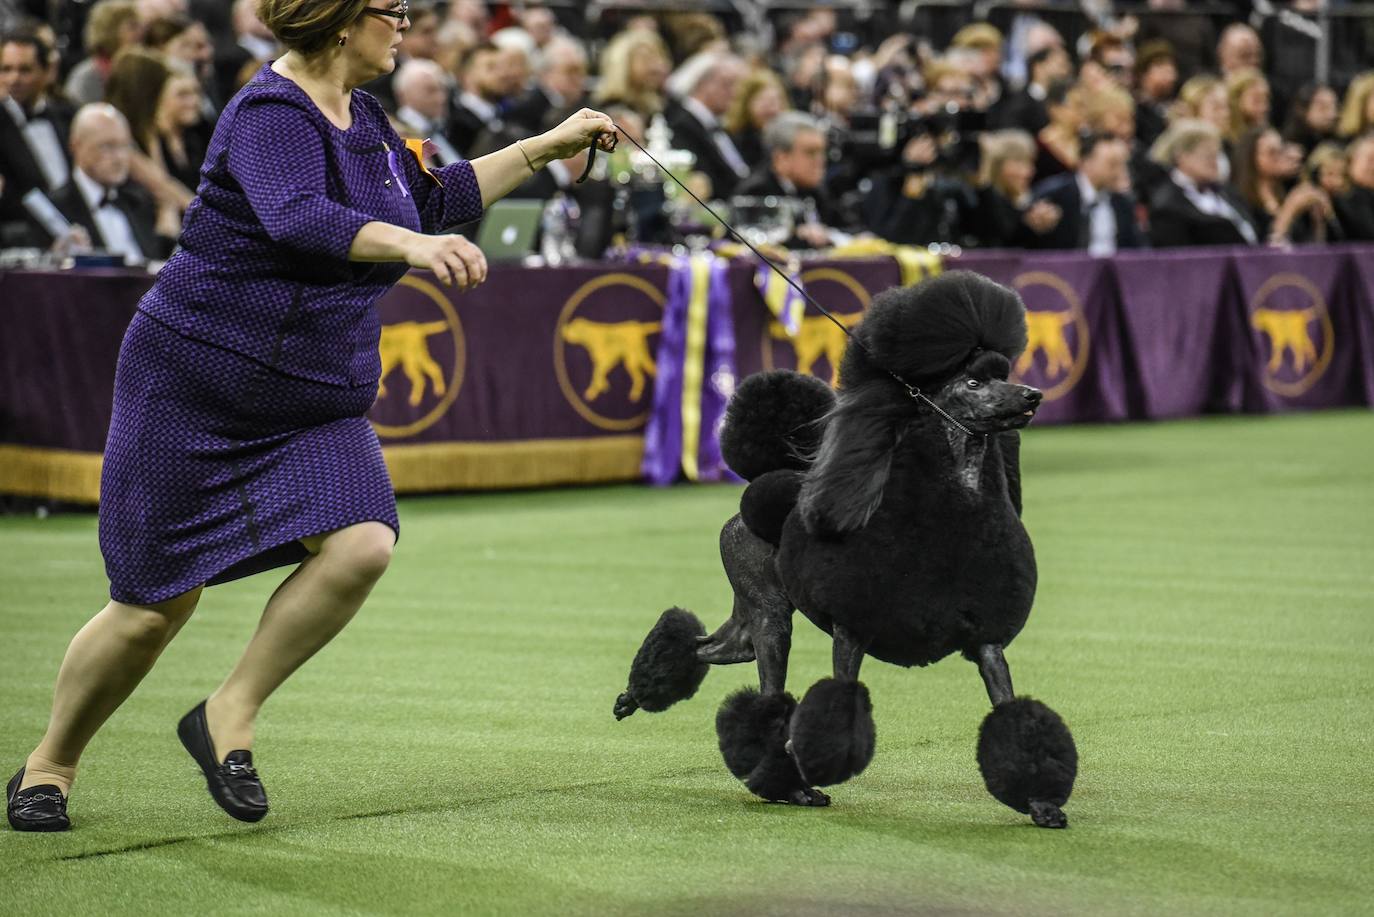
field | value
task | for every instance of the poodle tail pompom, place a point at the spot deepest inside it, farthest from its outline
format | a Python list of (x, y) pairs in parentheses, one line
[(1028, 759), (832, 732), (666, 668), (774, 421), (752, 729)]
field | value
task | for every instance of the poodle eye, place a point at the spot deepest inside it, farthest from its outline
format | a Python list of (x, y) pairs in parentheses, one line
[(973, 383)]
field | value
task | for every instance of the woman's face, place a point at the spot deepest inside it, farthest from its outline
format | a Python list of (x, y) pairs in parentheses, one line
[(374, 38), (648, 68), (1254, 103), (1015, 174), (1361, 168), (192, 47), (1270, 161), (179, 106), (1214, 109), (1068, 115), (1321, 111), (765, 106)]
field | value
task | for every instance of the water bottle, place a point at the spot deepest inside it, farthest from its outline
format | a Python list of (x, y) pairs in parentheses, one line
[(553, 231)]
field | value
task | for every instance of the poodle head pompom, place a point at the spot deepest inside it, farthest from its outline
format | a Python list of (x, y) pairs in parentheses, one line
[(925, 332)]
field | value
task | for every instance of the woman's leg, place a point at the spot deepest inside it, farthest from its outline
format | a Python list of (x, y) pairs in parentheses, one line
[(104, 663), (306, 611)]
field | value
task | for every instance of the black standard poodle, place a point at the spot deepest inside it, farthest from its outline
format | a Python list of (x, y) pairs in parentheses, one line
[(892, 527)]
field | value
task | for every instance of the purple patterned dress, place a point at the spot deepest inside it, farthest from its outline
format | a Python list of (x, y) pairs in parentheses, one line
[(245, 375)]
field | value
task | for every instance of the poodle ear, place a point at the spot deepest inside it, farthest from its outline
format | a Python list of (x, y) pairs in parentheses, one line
[(844, 486)]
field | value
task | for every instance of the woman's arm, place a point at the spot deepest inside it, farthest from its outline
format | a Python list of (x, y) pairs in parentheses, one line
[(453, 259), (500, 173)]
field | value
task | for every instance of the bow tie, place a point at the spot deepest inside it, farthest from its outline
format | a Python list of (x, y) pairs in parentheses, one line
[(110, 199), (1207, 187)]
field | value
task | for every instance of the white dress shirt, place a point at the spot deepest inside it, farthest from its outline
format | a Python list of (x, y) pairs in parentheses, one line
[(41, 138), (721, 139), (112, 223), (1097, 209)]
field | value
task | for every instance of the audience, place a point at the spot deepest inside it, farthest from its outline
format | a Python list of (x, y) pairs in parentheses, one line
[(1005, 139)]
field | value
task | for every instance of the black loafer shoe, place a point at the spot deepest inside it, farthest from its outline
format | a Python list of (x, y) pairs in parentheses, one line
[(39, 808), (233, 784)]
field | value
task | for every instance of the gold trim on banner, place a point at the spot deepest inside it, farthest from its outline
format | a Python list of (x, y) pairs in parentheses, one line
[(74, 477), (57, 474), (428, 467)]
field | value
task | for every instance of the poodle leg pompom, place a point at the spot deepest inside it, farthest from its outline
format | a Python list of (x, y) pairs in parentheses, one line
[(831, 732), (752, 729), (1028, 760), (666, 668)]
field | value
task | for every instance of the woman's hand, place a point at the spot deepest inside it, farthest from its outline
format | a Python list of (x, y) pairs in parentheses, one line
[(576, 133), (455, 261)]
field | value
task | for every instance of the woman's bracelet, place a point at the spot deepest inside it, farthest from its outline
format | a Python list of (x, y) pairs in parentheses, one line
[(529, 162)]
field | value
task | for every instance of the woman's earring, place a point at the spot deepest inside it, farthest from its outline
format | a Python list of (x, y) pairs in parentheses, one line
[(343, 40)]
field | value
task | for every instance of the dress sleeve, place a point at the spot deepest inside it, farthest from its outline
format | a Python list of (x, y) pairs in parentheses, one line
[(278, 159), (451, 197)]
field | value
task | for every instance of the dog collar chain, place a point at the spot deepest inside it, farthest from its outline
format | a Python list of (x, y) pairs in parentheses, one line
[(922, 398)]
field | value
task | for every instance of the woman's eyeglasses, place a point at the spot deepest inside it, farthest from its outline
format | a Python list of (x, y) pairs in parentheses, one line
[(399, 14)]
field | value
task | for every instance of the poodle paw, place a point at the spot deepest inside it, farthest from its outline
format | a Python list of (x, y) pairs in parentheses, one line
[(625, 704), (808, 796), (1047, 814)]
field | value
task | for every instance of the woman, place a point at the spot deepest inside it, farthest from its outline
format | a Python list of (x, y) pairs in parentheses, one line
[(1312, 118), (1005, 217), (1057, 142), (761, 97), (1262, 171), (1357, 114), (1204, 97), (1324, 172), (1247, 93), (112, 26), (177, 144), (238, 440), (634, 67), (138, 81)]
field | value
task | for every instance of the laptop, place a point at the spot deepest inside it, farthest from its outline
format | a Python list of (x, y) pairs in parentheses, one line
[(509, 228)]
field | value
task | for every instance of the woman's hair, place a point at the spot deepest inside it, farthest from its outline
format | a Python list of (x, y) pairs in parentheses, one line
[(309, 26), (1295, 127), (1191, 94), (164, 29), (1245, 171), (1322, 154), (1100, 102), (1236, 86), (107, 18), (1353, 122), (135, 88), (997, 148), (737, 118), (616, 85), (1182, 136)]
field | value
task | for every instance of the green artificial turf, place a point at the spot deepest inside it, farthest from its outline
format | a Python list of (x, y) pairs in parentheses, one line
[(1204, 624)]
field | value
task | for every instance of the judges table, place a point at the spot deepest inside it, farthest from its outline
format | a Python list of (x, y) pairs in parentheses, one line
[(548, 376)]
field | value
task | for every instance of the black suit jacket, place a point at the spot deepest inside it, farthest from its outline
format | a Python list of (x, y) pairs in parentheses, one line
[(1355, 213), (1176, 222), (21, 170), (466, 125), (764, 182), (691, 135), (136, 205), (1062, 190), (1020, 110)]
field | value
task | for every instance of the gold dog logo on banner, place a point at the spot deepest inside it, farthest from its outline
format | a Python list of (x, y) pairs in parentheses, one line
[(601, 348), (819, 339), (430, 353), (1286, 311), (1056, 333)]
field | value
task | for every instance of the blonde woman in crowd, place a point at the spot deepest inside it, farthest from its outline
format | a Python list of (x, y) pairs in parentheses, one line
[(113, 26), (1247, 93), (136, 87), (760, 98), (1357, 114), (634, 67), (1006, 217)]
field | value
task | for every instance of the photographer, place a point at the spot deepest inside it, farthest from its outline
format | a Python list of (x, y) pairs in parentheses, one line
[(913, 203)]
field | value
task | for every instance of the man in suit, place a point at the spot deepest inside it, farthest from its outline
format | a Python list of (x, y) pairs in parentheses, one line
[(1026, 108), (117, 215), (561, 83), (796, 169), (422, 105), (1096, 216), (1193, 207), (705, 85), (485, 83), (33, 131)]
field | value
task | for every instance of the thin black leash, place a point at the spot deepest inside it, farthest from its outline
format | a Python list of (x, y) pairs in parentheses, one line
[(915, 393)]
